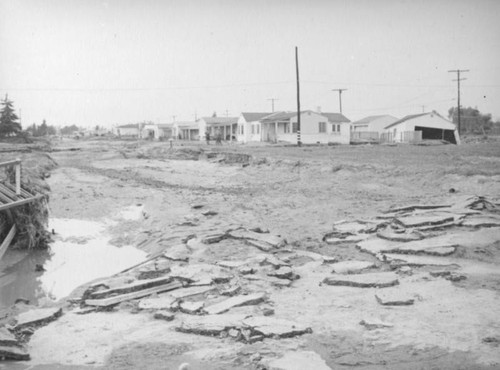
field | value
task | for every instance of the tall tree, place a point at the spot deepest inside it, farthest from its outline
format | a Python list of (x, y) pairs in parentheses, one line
[(471, 120), (9, 124)]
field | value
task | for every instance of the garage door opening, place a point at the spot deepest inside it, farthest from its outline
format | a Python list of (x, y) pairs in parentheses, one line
[(429, 133)]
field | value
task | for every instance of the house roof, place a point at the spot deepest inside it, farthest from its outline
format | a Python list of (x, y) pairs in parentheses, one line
[(221, 120), (165, 125), (252, 117), (406, 118), (278, 116), (187, 124), (369, 119), (335, 117), (129, 125)]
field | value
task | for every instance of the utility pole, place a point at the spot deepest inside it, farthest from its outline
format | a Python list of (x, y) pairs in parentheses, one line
[(299, 142), (340, 97), (272, 102), (457, 71), (423, 108)]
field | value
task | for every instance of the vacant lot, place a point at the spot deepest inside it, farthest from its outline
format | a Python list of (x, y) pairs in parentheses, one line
[(298, 194)]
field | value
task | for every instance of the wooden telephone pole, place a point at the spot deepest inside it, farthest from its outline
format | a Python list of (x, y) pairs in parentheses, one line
[(340, 97), (299, 142), (457, 71)]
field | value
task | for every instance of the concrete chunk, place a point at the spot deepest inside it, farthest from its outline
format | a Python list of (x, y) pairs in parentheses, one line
[(191, 307), (241, 300), (14, 353), (276, 328), (371, 324), (211, 325), (7, 338), (425, 219), (351, 267), (393, 297), (164, 302), (164, 315), (191, 291), (372, 280), (417, 260)]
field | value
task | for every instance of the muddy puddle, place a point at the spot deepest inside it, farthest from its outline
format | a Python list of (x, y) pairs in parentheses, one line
[(80, 252)]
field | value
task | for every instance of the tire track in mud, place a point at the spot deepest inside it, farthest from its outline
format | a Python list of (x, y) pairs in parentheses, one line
[(136, 179)]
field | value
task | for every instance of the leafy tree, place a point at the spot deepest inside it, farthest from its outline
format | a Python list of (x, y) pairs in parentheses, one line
[(471, 120), (68, 130), (9, 124)]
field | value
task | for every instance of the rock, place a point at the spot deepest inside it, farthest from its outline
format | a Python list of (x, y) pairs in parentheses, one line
[(273, 261), (212, 325), (191, 307), (231, 291), (197, 206), (209, 213), (393, 297), (37, 317), (298, 360), (372, 280), (246, 270), (276, 328), (165, 302), (329, 260), (178, 252), (429, 218), (14, 353), (7, 338), (164, 315), (371, 324), (215, 238), (351, 267), (283, 273), (241, 300)]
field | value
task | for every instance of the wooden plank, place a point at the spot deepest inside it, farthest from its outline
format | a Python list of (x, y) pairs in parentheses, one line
[(7, 193), (24, 192), (129, 288), (7, 241), (106, 302), (10, 163), (3, 207)]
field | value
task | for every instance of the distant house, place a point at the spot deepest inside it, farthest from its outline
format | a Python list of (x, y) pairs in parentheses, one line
[(166, 131), (371, 127), (227, 126), (130, 130), (187, 130), (424, 126), (150, 131), (249, 127), (315, 127)]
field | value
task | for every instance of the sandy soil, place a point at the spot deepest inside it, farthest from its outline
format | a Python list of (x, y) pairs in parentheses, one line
[(297, 193)]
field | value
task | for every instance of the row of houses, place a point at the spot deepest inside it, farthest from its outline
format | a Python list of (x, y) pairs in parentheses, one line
[(315, 127)]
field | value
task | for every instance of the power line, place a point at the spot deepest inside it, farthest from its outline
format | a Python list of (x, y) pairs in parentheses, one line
[(458, 85)]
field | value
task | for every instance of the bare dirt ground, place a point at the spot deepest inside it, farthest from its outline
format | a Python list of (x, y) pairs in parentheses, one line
[(297, 193)]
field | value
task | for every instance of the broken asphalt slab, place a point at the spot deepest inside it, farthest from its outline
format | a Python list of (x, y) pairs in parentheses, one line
[(236, 301), (7, 338), (414, 260), (394, 297), (351, 267), (37, 317), (14, 353), (276, 328), (212, 325), (371, 280), (425, 219), (441, 246)]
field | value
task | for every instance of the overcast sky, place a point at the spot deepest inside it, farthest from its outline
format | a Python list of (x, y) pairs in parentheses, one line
[(94, 62)]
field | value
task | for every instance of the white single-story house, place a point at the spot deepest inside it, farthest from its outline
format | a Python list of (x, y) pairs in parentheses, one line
[(186, 130), (227, 126), (315, 127), (165, 131), (129, 130), (423, 126), (249, 127), (150, 131), (371, 127)]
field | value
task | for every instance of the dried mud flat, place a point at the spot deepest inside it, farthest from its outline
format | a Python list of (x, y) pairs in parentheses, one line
[(281, 258)]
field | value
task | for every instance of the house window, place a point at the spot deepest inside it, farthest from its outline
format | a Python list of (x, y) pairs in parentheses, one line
[(287, 128), (322, 127), (257, 128), (294, 127)]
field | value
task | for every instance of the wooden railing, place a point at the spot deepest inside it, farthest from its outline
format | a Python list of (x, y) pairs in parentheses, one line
[(17, 164)]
